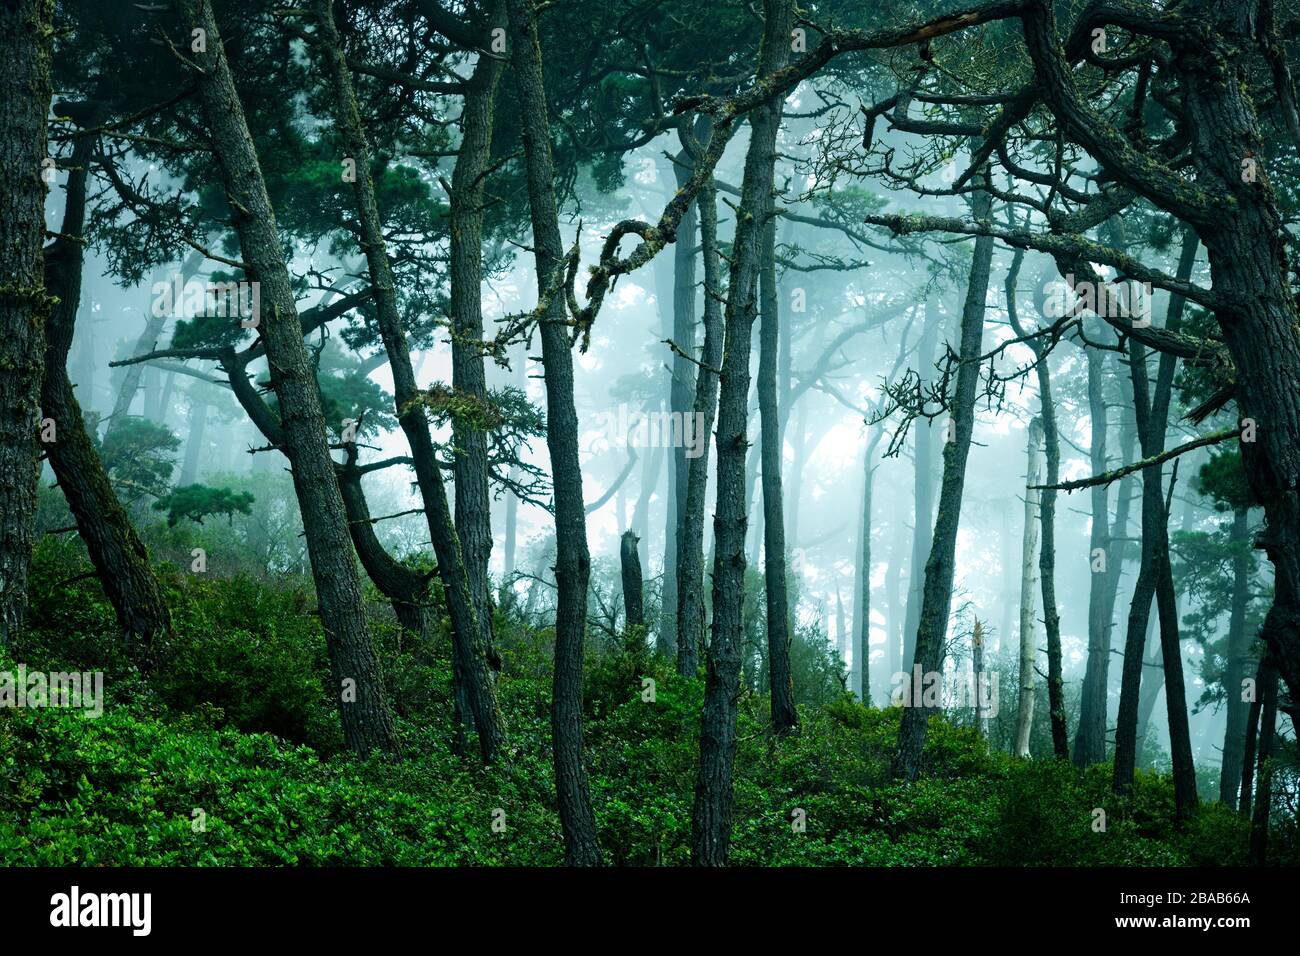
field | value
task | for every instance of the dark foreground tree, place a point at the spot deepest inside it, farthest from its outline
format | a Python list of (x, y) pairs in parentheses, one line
[(25, 33)]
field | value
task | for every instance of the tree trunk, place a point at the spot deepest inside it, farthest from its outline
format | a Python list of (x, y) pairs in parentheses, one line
[(922, 489), (1090, 739), (1028, 568), (470, 650), (785, 718), (977, 674), (1047, 564), (357, 682), (630, 565), (690, 536), (1239, 641), (1264, 789), (714, 797), (119, 556), (862, 609), (473, 503), (681, 402), (1244, 800), (941, 566), (1156, 576), (25, 38), (573, 561)]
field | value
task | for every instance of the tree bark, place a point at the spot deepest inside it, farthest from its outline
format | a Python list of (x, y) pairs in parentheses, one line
[(630, 565), (714, 797), (1029, 566), (119, 556), (470, 649), (25, 39), (1090, 738), (941, 566), (785, 718), (573, 560), (357, 680), (473, 504), (690, 537)]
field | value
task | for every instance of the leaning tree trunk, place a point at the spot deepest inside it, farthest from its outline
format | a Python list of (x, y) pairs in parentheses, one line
[(1028, 567), (785, 718), (119, 556), (940, 568), (1239, 641), (25, 38), (714, 797), (357, 680), (572, 560), (690, 537), (470, 650)]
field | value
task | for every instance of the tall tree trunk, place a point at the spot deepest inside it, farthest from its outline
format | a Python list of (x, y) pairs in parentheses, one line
[(471, 651), (922, 488), (1047, 564), (1090, 739), (25, 37), (897, 606), (1239, 641), (1264, 788), (977, 673), (1245, 800), (119, 556), (473, 502), (941, 566), (690, 536), (1047, 521), (573, 561), (1029, 566), (862, 605), (1155, 576), (714, 797), (357, 682), (681, 402), (785, 718)]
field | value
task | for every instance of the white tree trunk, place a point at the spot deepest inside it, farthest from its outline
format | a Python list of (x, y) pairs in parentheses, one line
[(1028, 589)]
